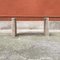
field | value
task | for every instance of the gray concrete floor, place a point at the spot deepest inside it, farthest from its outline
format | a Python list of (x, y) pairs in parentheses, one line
[(30, 47)]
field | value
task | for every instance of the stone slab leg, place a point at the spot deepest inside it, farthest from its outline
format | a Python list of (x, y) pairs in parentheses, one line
[(14, 28), (46, 26)]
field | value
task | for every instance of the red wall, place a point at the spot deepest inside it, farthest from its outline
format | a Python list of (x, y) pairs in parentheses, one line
[(30, 8)]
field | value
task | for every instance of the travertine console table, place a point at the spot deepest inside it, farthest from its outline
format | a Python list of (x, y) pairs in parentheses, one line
[(46, 26)]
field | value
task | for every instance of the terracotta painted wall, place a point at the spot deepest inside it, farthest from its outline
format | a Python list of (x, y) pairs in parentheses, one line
[(30, 8)]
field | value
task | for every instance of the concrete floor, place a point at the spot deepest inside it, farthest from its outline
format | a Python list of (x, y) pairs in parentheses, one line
[(30, 47)]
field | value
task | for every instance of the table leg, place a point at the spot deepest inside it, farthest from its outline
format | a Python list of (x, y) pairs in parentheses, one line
[(14, 28), (46, 26)]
